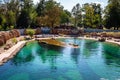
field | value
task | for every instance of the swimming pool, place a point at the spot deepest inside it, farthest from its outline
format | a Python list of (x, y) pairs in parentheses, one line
[(92, 61)]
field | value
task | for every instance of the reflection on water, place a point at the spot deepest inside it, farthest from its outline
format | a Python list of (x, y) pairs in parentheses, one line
[(92, 61), (75, 55)]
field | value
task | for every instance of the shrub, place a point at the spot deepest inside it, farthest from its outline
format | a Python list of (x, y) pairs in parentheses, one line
[(30, 32), (14, 40)]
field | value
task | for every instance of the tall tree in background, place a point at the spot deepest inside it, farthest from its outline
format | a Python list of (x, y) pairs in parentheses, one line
[(77, 14), (41, 8), (97, 15), (112, 14), (89, 15), (2, 17), (53, 11), (10, 11), (24, 14), (27, 15), (51, 14), (65, 17), (92, 17), (2, 22)]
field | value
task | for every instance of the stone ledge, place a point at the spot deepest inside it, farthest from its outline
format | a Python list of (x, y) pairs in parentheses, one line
[(4, 57)]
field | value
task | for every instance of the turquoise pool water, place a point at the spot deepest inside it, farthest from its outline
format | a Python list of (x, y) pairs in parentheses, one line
[(92, 61)]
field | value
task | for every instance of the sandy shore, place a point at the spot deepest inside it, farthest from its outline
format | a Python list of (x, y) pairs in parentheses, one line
[(110, 41)]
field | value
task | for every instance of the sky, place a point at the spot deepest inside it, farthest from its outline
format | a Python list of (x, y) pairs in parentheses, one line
[(68, 4)]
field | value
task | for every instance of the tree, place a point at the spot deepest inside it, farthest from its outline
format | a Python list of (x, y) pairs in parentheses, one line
[(23, 20), (27, 15), (92, 17), (41, 8), (30, 32), (10, 10), (89, 15), (53, 11), (77, 14), (97, 15), (48, 13), (11, 21), (65, 17), (112, 14), (2, 22)]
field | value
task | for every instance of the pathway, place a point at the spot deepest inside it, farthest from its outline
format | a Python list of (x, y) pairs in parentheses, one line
[(11, 52)]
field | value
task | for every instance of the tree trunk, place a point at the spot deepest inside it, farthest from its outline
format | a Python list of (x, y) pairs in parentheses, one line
[(117, 28), (75, 22), (114, 28), (52, 24)]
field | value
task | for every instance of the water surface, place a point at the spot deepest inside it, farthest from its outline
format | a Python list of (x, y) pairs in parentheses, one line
[(92, 61)]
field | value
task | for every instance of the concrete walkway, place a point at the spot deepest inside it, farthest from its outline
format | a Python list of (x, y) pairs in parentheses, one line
[(11, 52)]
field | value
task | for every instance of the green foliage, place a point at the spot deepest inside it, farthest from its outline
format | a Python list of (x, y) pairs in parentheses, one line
[(24, 19), (112, 14), (28, 14), (1, 28), (30, 32), (64, 18), (50, 16), (24, 14), (11, 18), (77, 14), (14, 40), (92, 17), (9, 12), (41, 8), (2, 21)]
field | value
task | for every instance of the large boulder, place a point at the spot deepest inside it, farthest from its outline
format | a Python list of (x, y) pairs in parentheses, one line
[(14, 33), (116, 35), (4, 36), (1, 42), (17, 33), (11, 33), (104, 34)]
